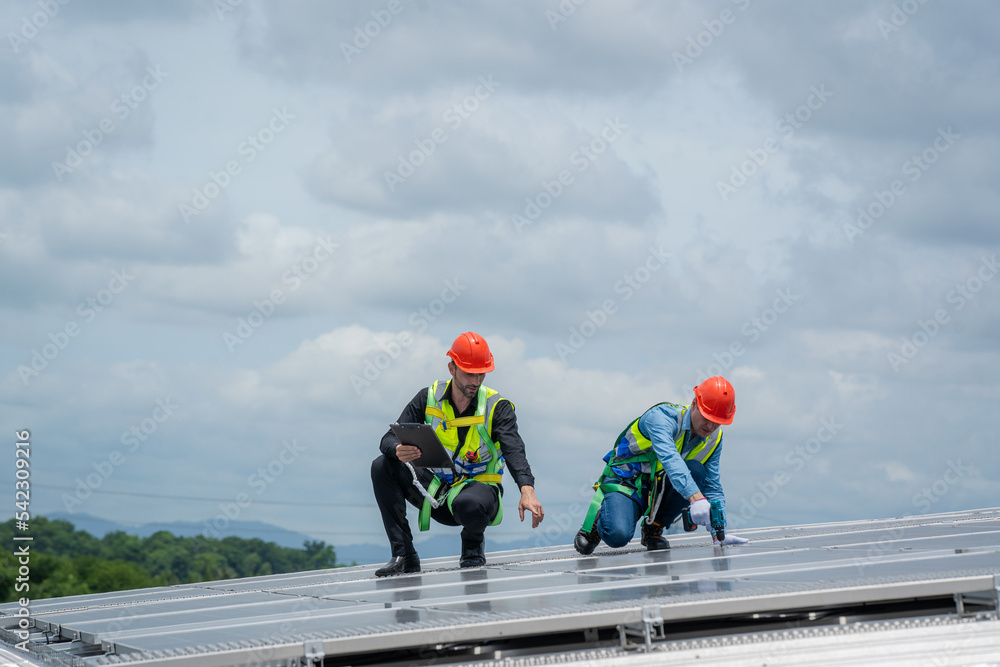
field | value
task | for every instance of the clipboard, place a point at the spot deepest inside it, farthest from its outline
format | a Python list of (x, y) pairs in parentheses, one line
[(432, 452)]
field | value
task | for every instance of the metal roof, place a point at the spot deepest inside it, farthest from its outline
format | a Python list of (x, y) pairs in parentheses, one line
[(843, 591)]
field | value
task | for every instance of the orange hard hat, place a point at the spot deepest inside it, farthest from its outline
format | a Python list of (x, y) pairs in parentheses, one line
[(471, 353), (716, 399)]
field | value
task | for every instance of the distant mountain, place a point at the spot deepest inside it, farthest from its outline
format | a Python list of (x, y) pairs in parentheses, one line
[(363, 554), (99, 527)]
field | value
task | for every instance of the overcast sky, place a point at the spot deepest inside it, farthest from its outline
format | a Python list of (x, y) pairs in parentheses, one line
[(239, 236)]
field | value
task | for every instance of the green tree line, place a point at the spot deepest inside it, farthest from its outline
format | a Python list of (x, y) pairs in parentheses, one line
[(65, 561)]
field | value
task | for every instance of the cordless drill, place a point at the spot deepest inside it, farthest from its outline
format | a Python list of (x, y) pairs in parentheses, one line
[(716, 516)]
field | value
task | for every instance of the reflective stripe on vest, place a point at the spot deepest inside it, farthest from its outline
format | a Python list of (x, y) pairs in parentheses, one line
[(478, 455)]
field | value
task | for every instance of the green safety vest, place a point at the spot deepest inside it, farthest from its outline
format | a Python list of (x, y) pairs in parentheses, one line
[(633, 447), (477, 459)]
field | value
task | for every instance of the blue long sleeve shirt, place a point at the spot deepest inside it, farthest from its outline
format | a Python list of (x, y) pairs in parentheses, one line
[(660, 425)]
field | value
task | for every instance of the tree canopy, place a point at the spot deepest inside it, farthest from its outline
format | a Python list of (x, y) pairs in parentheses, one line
[(65, 561)]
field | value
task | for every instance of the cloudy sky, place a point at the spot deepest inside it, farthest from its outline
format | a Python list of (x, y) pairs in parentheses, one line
[(237, 237)]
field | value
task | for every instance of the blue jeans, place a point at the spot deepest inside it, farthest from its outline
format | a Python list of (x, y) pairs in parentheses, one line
[(619, 513)]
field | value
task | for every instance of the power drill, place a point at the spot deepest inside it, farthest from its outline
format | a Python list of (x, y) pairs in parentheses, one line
[(716, 516)]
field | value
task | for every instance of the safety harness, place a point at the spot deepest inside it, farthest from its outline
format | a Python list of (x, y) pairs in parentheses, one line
[(654, 481), (478, 459)]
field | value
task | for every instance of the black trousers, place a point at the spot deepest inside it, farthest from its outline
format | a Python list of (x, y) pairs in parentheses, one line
[(474, 506)]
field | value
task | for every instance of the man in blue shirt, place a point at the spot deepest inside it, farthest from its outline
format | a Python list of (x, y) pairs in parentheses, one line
[(664, 462)]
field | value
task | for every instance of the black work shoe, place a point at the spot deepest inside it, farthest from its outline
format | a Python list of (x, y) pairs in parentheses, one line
[(585, 543), (472, 554), (652, 537), (400, 565)]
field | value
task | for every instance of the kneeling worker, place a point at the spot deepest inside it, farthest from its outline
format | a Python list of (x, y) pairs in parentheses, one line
[(478, 427), (664, 462)]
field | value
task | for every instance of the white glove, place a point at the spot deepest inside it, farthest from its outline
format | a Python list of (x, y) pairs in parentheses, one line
[(734, 539), (701, 512)]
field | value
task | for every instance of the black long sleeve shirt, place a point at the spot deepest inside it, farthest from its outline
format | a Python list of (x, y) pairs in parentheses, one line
[(504, 433)]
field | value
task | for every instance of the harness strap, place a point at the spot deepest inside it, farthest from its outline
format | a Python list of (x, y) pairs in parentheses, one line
[(424, 521), (473, 420), (485, 478), (656, 479), (603, 488), (439, 494)]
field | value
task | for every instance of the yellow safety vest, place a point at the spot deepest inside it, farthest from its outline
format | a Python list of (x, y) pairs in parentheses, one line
[(632, 443), (632, 448), (477, 459)]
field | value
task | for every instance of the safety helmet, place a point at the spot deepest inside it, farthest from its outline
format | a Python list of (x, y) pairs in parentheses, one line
[(716, 400), (471, 353)]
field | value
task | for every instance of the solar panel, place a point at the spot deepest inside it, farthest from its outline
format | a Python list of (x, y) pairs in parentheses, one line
[(529, 596)]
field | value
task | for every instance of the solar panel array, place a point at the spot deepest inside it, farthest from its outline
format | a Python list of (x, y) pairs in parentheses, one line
[(528, 595)]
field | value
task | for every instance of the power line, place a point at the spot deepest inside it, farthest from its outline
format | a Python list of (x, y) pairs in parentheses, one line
[(198, 498), (219, 500)]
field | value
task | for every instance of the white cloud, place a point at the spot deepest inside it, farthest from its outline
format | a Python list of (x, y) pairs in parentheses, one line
[(324, 269), (896, 471)]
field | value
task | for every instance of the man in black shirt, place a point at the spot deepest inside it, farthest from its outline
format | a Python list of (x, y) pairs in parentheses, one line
[(479, 428)]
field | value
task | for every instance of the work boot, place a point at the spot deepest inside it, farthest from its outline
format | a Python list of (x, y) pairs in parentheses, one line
[(585, 543), (472, 554), (652, 537), (407, 564)]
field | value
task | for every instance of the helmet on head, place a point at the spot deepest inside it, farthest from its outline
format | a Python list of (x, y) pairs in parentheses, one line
[(471, 353), (716, 400)]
